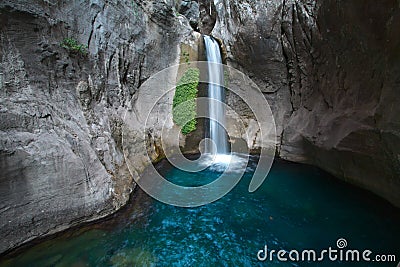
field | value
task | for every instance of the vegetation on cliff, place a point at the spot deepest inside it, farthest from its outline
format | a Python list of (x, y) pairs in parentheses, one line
[(184, 102), (74, 46)]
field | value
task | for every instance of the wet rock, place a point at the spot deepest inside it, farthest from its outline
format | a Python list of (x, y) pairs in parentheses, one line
[(330, 72)]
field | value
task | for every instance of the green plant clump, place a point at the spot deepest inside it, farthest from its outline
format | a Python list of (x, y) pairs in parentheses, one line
[(186, 56), (74, 46), (184, 102)]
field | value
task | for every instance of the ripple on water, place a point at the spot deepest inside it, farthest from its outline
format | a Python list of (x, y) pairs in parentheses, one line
[(297, 207)]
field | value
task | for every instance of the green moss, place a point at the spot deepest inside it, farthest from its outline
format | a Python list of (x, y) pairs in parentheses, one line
[(184, 102), (186, 56), (74, 46)]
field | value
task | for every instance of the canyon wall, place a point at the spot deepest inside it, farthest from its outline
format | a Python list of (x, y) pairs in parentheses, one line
[(331, 73), (62, 108)]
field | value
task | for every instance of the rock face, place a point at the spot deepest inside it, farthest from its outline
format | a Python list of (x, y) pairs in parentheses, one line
[(190, 9), (61, 110), (201, 14), (330, 70)]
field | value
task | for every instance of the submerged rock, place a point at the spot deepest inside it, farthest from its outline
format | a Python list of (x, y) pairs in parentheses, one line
[(133, 257)]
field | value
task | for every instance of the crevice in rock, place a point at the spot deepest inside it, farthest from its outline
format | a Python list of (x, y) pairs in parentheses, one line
[(92, 30), (285, 53), (208, 16)]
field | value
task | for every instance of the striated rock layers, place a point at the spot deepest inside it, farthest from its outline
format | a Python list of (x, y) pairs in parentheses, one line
[(329, 69), (62, 108), (331, 72)]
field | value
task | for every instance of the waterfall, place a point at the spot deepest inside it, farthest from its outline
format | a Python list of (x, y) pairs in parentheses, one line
[(217, 92)]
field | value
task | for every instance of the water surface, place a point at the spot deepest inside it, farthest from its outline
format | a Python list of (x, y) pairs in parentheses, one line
[(297, 207)]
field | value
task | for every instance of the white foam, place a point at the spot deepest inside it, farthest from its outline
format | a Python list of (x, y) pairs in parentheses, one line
[(225, 162), (224, 159)]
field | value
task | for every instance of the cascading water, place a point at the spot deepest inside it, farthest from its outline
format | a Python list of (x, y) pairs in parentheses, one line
[(216, 92)]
